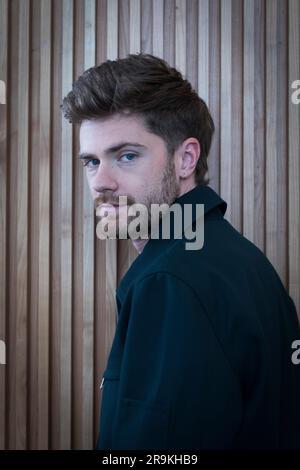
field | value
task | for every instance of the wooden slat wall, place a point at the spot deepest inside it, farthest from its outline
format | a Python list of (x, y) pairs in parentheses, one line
[(57, 280)]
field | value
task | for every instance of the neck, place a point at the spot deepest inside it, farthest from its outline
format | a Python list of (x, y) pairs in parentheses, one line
[(185, 188), (139, 244)]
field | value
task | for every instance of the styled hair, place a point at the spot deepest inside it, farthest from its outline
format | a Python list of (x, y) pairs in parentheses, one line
[(144, 85)]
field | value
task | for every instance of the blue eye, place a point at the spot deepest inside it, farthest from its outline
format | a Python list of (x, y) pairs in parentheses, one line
[(92, 162), (131, 155)]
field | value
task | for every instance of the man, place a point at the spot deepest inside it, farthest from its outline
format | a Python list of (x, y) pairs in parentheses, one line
[(202, 354)]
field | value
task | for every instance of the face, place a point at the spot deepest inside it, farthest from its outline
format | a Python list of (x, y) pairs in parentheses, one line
[(122, 158)]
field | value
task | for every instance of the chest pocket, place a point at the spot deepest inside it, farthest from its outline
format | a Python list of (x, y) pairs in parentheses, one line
[(140, 425)]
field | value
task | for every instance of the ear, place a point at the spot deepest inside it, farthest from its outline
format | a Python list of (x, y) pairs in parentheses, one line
[(189, 153)]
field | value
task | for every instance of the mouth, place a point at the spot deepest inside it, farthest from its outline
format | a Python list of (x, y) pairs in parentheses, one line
[(106, 207)]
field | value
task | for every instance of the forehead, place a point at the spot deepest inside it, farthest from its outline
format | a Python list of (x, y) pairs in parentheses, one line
[(108, 131)]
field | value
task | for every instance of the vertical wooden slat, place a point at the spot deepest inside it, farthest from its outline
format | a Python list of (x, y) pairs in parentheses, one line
[(22, 227), (253, 144), (237, 114), (12, 151), (44, 226), (66, 235), (146, 27), (169, 31), (135, 27), (3, 200), (33, 320), (112, 29), (249, 120), (192, 43), (215, 90), (294, 156), (180, 36), (276, 150), (226, 101), (88, 256), (123, 28), (260, 124), (17, 357), (203, 50), (55, 304), (101, 26), (77, 246), (158, 28)]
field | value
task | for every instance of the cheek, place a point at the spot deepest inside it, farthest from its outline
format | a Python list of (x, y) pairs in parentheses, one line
[(91, 184)]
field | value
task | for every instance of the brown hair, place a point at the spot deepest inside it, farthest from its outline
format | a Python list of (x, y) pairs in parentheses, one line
[(145, 85)]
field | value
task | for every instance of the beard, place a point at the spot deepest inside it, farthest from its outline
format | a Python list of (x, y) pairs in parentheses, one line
[(165, 191)]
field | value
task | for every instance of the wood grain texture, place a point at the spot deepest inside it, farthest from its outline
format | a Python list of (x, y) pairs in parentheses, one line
[(237, 114), (276, 133), (112, 29), (169, 31), (66, 235), (44, 225), (158, 28), (226, 168), (135, 26), (33, 307), (39, 253), (215, 85), (254, 122), (231, 109), (145, 33), (58, 280), (88, 260), (180, 36), (203, 50), (3, 208), (56, 188), (78, 247), (191, 72), (18, 232)]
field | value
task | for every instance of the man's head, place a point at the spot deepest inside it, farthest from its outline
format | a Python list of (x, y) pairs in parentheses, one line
[(140, 100)]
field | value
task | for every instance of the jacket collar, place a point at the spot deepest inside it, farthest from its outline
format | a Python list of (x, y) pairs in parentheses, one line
[(203, 195)]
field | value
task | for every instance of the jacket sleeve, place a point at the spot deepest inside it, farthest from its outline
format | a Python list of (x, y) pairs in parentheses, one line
[(177, 387)]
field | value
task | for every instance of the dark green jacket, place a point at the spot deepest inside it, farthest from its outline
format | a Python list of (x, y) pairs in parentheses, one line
[(201, 357)]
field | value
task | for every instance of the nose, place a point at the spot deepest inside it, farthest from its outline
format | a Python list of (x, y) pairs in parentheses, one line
[(104, 179)]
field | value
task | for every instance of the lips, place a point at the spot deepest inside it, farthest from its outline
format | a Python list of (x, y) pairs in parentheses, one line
[(106, 207)]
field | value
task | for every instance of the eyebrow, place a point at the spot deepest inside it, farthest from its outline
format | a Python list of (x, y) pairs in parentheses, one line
[(111, 150)]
